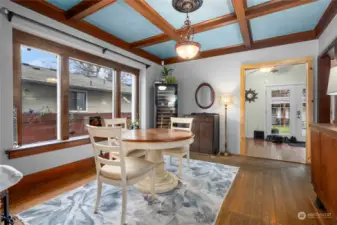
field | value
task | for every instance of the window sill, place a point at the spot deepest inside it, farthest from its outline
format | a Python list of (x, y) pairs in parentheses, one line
[(43, 147)]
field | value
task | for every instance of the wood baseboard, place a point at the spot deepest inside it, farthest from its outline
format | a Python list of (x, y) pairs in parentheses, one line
[(33, 180)]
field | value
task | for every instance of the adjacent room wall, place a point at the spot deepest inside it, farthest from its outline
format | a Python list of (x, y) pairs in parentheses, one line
[(35, 163), (223, 73)]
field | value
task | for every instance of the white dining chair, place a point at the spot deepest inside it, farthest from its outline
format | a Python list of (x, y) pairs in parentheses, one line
[(122, 171), (121, 122), (181, 151)]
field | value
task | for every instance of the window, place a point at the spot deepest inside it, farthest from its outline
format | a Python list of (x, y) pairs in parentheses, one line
[(91, 94), (39, 95), (78, 101), (58, 90)]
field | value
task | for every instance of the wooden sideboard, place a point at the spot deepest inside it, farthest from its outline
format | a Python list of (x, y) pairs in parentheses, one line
[(206, 130), (324, 165)]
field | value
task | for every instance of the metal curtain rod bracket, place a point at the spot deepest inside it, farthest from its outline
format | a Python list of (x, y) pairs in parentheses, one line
[(9, 15)]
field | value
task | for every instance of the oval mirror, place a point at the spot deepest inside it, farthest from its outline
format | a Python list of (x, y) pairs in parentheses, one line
[(204, 96)]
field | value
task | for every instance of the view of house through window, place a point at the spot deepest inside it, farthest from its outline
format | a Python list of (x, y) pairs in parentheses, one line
[(39, 95), (91, 94), (128, 84)]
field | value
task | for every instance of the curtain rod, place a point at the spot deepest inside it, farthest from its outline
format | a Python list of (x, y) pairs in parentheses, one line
[(9, 15)]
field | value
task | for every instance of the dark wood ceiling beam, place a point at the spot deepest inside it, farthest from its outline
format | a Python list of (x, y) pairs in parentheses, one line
[(198, 28), (270, 42), (86, 8), (239, 8), (151, 15), (273, 6), (327, 17), (251, 13), (52, 12)]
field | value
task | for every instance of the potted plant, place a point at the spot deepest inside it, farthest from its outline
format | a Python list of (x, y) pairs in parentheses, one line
[(168, 77)]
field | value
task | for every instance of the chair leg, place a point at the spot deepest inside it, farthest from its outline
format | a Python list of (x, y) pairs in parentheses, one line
[(188, 158), (124, 199), (180, 166), (153, 184), (98, 197)]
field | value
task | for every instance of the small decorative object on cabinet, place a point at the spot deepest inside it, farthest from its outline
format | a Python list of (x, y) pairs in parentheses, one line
[(324, 166), (205, 128), (166, 104)]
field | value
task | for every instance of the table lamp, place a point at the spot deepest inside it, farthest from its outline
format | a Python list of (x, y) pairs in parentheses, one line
[(227, 100), (332, 86)]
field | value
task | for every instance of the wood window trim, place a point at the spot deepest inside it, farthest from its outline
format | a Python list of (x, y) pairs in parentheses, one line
[(65, 53)]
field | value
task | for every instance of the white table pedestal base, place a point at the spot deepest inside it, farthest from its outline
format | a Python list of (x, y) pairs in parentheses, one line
[(165, 181)]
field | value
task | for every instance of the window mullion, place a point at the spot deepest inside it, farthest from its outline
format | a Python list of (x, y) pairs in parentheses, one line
[(63, 97), (118, 94), (17, 83)]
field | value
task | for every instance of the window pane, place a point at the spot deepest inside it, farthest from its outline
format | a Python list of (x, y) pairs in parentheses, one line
[(91, 94), (39, 95), (128, 98)]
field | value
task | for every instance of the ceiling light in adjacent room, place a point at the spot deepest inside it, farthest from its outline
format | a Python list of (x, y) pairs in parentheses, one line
[(51, 80), (266, 69)]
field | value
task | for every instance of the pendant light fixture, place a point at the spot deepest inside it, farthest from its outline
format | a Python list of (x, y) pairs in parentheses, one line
[(186, 48)]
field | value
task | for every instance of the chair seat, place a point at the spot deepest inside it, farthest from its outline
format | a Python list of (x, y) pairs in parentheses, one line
[(176, 151), (136, 153), (134, 167)]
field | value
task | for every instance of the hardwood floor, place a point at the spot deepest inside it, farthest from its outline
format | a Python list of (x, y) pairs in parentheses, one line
[(265, 192), (269, 150)]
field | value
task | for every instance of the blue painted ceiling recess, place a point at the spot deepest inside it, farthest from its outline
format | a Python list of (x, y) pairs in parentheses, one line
[(220, 37), (251, 3), (163, 50), (124, 22), (209, 10), (294, 20), (64, 4)]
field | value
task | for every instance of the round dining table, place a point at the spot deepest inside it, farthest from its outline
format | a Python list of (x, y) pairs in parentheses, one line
[(154, 140)]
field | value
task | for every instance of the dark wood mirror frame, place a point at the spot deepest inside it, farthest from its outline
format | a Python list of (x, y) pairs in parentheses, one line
[(212, 95)]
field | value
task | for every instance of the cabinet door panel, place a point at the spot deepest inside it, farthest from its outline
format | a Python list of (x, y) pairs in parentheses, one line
[(315, 160), (326, 162), (206, 137), (194, 147)]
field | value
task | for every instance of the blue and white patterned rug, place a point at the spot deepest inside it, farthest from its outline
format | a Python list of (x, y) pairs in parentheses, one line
[(196, 200)]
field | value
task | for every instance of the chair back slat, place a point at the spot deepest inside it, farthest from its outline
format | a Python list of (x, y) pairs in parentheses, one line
[(181, 120), (116, 122)]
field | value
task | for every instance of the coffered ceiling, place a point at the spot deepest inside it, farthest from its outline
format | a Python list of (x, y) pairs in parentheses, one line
[(150, 28)]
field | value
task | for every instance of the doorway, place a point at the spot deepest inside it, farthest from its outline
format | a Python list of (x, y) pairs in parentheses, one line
[(286, 111), (276, 106)]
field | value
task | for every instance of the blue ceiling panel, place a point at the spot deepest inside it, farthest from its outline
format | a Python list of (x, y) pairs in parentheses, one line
[(220, 37), (64, 4), (209, 10), (251, 3), (163, 50), (124, 22), (294, 20)]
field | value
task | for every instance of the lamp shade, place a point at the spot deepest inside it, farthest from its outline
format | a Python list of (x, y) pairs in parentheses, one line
[(226, 99), (332, 87)]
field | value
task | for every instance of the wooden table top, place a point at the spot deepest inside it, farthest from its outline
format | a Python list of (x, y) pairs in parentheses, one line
[(156, 135)]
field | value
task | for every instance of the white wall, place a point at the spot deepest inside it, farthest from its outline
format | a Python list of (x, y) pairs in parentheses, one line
[(255, 111), (329, 35), (45, 161), (223, 73)]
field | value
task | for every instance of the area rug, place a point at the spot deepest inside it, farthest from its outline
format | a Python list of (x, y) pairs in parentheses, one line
[(197, 200)]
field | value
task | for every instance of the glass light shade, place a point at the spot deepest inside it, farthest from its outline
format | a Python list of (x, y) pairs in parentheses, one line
[(332, 87), (226, 99), (187, 49)]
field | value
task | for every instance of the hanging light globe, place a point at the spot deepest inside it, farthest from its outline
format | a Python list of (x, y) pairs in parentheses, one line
[(187, 49)]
